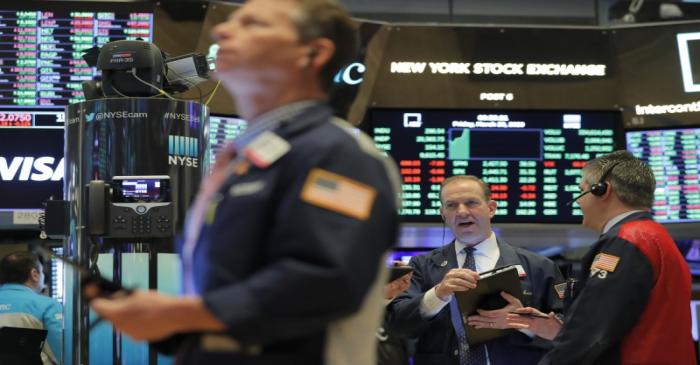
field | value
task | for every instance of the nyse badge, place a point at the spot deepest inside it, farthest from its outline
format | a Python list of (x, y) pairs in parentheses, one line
[(443, 264), (246, 188), (265, 149)]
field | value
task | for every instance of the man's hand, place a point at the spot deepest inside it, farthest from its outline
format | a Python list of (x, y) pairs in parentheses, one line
[(150, 316), (495, 318), (397, 286), (547, 328), (456, 280)]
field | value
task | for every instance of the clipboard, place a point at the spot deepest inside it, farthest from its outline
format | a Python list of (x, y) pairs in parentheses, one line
[(396, 272), (487, 295)]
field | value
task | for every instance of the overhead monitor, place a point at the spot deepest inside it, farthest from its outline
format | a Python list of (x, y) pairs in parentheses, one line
[(673, 156), (530, 159), (42, 44)]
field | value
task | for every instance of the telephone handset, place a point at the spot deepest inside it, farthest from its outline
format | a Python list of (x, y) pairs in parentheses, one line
[(97, 208)]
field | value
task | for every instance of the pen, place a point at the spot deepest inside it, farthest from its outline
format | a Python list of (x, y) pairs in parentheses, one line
[(536, 315)]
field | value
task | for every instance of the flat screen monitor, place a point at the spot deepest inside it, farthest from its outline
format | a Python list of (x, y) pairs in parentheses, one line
[(223, 128), (530, 159), (42, 44), (673, 155)]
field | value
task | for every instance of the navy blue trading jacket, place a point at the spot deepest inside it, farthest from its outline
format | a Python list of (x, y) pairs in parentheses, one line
[(283, 273), (437, 341)]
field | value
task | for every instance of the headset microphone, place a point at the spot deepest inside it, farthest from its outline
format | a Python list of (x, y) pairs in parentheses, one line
[(577, 197), (597, 189)]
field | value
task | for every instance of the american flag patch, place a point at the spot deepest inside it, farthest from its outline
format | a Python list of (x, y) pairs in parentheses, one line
[(561, 290), (338, 193), (606, 262)]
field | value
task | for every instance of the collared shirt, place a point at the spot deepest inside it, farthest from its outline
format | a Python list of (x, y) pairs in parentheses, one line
[(486, 255), (195, 219), (612, 222)]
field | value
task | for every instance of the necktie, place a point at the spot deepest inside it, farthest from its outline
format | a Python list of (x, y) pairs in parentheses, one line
[(468, 355)]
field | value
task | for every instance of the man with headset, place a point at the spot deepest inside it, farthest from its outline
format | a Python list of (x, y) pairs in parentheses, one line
[(428, 311), (630, 305)]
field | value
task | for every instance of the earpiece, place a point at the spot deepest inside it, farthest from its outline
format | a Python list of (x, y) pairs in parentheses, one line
[(601, 187)]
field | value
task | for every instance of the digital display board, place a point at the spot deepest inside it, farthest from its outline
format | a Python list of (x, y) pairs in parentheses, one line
[(530, 159), (41, 71), (222, 129), (42, 43), (673, 155)]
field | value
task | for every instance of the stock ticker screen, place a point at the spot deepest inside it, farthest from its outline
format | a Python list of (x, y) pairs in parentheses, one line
[(673, 156), (41, 48), (532, 160)]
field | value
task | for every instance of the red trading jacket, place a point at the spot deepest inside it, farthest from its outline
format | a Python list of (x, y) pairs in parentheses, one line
[(632, 305)]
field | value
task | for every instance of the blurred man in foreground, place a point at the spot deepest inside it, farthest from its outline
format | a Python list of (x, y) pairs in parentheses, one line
[(283, 248)]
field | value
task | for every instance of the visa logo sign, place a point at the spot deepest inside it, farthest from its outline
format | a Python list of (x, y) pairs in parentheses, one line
[(183, 151), (31, 169)]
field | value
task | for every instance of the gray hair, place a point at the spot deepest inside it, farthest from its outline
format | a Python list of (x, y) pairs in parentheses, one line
[(632, 180)]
